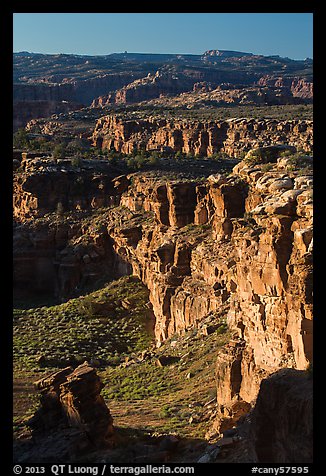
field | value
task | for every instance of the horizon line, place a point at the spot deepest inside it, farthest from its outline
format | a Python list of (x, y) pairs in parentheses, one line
[(153, 53)]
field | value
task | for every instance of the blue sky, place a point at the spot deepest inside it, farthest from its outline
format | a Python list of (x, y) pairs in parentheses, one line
[(284, 34)]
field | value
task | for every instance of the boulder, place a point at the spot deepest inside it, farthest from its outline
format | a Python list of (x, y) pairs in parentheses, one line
[(71, 399), (282, 420)]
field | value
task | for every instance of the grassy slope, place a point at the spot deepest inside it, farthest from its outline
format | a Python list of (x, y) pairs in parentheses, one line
[(172, 398), (101, 327), (109, 327)]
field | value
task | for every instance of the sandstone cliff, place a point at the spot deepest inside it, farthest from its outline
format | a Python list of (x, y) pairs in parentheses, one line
[(199, 138), (51, 256), (152, 86), (238, 246), (299, 87), (43, 185)]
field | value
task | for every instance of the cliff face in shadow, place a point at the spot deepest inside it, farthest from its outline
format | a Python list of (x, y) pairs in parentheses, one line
[(282, 426)]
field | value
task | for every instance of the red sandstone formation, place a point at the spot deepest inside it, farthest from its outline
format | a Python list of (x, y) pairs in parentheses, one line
[(299, 87), (199, 138), (72, 398), (242, 243), (152, 86), (72, 420)]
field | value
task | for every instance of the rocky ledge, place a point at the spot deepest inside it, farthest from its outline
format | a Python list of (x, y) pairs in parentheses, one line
[(232, 136), (44, 184)]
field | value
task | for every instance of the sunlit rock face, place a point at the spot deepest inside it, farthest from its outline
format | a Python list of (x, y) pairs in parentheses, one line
[(247, 252), (231, 136)]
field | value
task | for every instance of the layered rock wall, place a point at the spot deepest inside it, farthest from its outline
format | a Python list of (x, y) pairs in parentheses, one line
[(255, 265), (232, 137), (54, 256), (36, 99), (43, 185), (57, 260), (261, 265), (299, 87)]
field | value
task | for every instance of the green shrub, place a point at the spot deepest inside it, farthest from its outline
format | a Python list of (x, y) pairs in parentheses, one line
[(222, 328), (179, 155), (76, 161), (254, 157), (59, 151), (153, 160), (21, 139), (266, 167), (298, 160)]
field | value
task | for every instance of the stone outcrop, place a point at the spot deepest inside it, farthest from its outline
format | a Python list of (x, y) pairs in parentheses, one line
[(167, 82), (24, 111), (58, 256), (71, 398), (45, 185), (149, 87), (199, 138), (205, 93), (281, 423), (225, 54), (299, 87)]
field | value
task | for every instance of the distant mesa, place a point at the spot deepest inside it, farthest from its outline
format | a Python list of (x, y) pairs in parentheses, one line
[(226, 53), (42, 82)]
